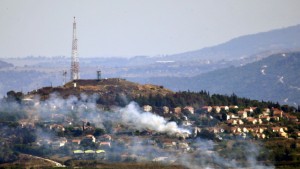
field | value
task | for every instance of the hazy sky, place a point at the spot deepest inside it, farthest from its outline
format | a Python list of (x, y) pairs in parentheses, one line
[(134, 27)]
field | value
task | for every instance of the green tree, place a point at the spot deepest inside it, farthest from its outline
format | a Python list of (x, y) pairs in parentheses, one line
[(207, 134), (99, 132)]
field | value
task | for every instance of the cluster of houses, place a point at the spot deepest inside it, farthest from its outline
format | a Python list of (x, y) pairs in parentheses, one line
[(81, 147), (182, 146), (89, 154), (240, 121), (231, 119)]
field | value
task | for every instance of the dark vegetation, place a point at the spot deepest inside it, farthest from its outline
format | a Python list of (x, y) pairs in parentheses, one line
[(128, 165), (21, 140), (199, 99)]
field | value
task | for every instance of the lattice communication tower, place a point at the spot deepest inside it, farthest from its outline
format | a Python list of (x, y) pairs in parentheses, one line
[(74, 59)]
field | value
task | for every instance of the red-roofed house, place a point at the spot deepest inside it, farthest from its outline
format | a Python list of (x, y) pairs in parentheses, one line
[(277, 113), (177, 110), (189, 109), (105, 144), (105, 137), (232, 116), (76, 141), (265, 118), (217, 108), (90, 137), (260, 135), (224, 107), (291, 117), (233, 107), (207, 108), (242, 114), (249, 110)]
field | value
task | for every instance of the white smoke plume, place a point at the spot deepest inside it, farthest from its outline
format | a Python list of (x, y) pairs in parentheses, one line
[(132, 115), (87, 109)]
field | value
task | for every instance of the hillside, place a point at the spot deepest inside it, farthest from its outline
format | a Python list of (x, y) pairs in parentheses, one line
[(21, 80), (5, 64), (160, 129), (246, 46), (275, 78)]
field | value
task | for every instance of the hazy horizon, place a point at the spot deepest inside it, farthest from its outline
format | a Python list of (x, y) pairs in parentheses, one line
[(134, 28)]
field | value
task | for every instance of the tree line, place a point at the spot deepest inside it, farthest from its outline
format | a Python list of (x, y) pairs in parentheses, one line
[(202, 98)]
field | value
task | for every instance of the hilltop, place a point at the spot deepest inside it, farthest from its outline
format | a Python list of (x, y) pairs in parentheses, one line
[(108, 90)]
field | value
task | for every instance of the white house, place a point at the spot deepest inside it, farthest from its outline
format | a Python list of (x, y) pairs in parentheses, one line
[(147, 108)]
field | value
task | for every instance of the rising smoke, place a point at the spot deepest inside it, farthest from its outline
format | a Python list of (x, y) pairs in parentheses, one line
[(87, 109), (203, 155), (132, 114)]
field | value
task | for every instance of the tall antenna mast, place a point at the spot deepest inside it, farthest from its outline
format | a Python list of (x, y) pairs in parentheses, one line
[(74, 59)]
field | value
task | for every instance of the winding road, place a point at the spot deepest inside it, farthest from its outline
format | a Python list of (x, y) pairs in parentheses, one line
[(57, 164)]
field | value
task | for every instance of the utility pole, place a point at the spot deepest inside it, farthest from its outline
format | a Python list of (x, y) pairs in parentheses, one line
[(64, 73)]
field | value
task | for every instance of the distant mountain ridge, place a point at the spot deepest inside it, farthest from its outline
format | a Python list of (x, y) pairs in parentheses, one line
[(285, 39), (275, 78), (5, 64)]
